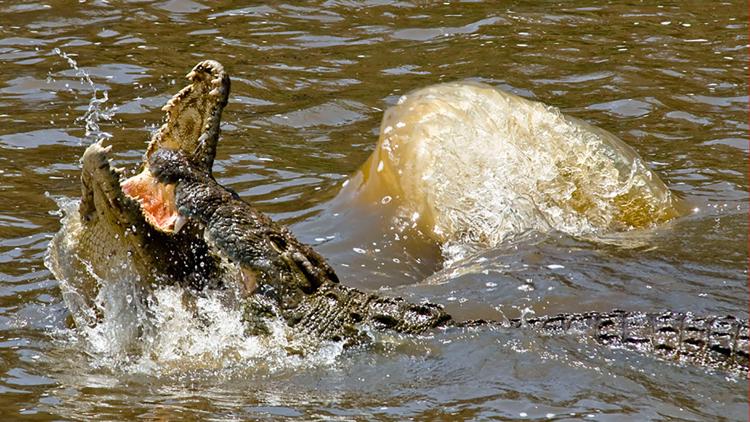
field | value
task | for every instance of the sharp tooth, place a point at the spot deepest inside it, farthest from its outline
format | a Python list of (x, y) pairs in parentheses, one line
[(178, 223), (215, 91), (107, 149), (171, 103), (191, 75)]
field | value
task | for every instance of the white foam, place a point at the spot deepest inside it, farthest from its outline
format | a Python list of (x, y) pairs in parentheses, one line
[(481, 165), (169, 330)]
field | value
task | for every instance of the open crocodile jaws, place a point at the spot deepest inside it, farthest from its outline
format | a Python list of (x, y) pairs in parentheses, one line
[(192, 125), (281, 276)]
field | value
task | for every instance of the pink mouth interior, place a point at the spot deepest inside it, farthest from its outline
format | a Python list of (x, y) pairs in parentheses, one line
[(157, 201)]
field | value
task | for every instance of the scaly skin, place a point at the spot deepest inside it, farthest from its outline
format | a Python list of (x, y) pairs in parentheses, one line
[(712, 341), (280, 276), (335, 312)]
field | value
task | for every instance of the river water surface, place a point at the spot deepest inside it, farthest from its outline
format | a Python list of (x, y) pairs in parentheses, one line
[(309, 86)]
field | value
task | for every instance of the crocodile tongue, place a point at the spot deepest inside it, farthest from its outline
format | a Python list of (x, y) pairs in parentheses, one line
[(193, 117)]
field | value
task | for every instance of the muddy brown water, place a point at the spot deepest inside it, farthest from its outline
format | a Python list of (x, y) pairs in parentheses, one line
[(309, 85)]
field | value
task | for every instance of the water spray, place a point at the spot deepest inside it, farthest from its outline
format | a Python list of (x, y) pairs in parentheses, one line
[(95, 111)]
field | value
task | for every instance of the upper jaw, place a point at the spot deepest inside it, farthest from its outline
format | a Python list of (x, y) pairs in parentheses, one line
[(193, 115)]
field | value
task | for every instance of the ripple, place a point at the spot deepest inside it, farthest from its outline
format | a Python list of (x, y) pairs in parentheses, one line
[(119, 73), (715, 101), (689, 117), (33, 90), (427, 34), (181, 6), (738, 143), (38, 138), (623, 108), (573, 79), (335, 113)]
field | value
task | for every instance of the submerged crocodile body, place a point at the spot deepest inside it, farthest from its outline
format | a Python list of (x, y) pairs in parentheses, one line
[(177, 225)]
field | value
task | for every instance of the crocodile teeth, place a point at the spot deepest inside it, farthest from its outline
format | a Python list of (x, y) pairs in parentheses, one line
[(171, 103), (214, 92), (178, 223)]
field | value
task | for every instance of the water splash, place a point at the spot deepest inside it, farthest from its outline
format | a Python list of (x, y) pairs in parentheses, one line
[(472, 164), (169, 330), (205, 333), (95, 111)]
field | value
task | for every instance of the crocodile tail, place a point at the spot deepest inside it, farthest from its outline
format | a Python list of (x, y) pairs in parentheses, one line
[(707, 341)]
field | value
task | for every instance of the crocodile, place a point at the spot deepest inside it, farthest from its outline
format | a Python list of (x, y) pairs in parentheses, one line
[(175, 224)]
